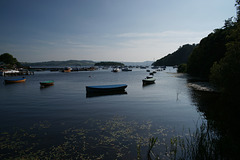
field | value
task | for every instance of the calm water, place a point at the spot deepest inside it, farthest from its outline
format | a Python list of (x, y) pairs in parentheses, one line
[(61, 121)]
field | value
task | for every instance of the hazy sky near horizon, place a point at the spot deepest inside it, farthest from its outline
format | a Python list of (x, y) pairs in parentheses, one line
[(106, 30)]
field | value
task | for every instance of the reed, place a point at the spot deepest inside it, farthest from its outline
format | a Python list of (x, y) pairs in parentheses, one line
[(200, 144)]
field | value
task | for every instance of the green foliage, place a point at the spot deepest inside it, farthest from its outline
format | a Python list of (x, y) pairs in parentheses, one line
[(203, 143), (8, 59), (178, 57), (211, 49), (226, 73), (238, 9), (217, 57), (152, 142), (182, 68), (109, 64), (228, 23)]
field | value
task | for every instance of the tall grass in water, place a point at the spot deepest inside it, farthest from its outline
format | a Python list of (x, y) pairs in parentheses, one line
[(201, 144)]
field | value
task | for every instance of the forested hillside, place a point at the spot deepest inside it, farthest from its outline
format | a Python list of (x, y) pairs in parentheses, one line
[(211, 49), (217, 57), (178, 57), (109, 64)]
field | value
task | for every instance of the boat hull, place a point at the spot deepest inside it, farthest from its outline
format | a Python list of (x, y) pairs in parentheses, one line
[(126, 69), (116, 70), (106, 88), (46, 83), (148, 81), (20, 80), (67, 71)]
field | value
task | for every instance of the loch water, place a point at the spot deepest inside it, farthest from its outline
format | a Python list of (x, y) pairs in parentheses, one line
[(62, 122)]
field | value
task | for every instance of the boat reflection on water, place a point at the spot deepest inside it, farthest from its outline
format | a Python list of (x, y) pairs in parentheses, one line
[(44, 87), (144, 85), (98, 94)]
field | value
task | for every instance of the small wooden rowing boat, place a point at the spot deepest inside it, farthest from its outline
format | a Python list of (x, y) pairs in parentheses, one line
[(106, 88), (17, 80), (46, 83)]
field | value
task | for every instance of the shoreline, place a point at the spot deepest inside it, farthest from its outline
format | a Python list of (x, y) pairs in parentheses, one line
[(203, 86)]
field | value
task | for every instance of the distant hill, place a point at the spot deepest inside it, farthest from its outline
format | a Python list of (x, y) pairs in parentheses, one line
[(178, 57), (145, 63), (62, 63), (83, 63), (109, 64)]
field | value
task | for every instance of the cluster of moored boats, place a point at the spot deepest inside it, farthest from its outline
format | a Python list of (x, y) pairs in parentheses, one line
[(149, 79), (23, 79), (123, 69), (92, 89)]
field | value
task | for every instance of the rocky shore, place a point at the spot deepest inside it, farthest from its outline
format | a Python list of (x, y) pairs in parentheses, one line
[(202, 86)]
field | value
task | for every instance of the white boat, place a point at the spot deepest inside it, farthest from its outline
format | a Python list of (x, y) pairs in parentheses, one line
[(115, 70), (148, 80), (2, 73)]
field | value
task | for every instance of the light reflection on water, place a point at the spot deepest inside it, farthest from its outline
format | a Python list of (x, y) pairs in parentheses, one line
[(62, 117)]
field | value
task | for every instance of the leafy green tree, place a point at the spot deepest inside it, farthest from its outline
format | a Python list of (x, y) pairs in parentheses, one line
[(182, 68), (238, 9), (8, 59), (226, 73), (228, 23), (211, 49)]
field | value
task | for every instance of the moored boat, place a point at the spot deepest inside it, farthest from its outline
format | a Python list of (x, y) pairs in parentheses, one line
[(6, 72), (67, 69), (46, 83), (115, 70), (17, 80), (106, 88), (151, 73), (126, 69), (148, 80)]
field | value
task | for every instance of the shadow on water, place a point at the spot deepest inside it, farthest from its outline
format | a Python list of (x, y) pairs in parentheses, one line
[(144, 85), (223, 118), (98, 94), (45, 87), (215, 138)]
